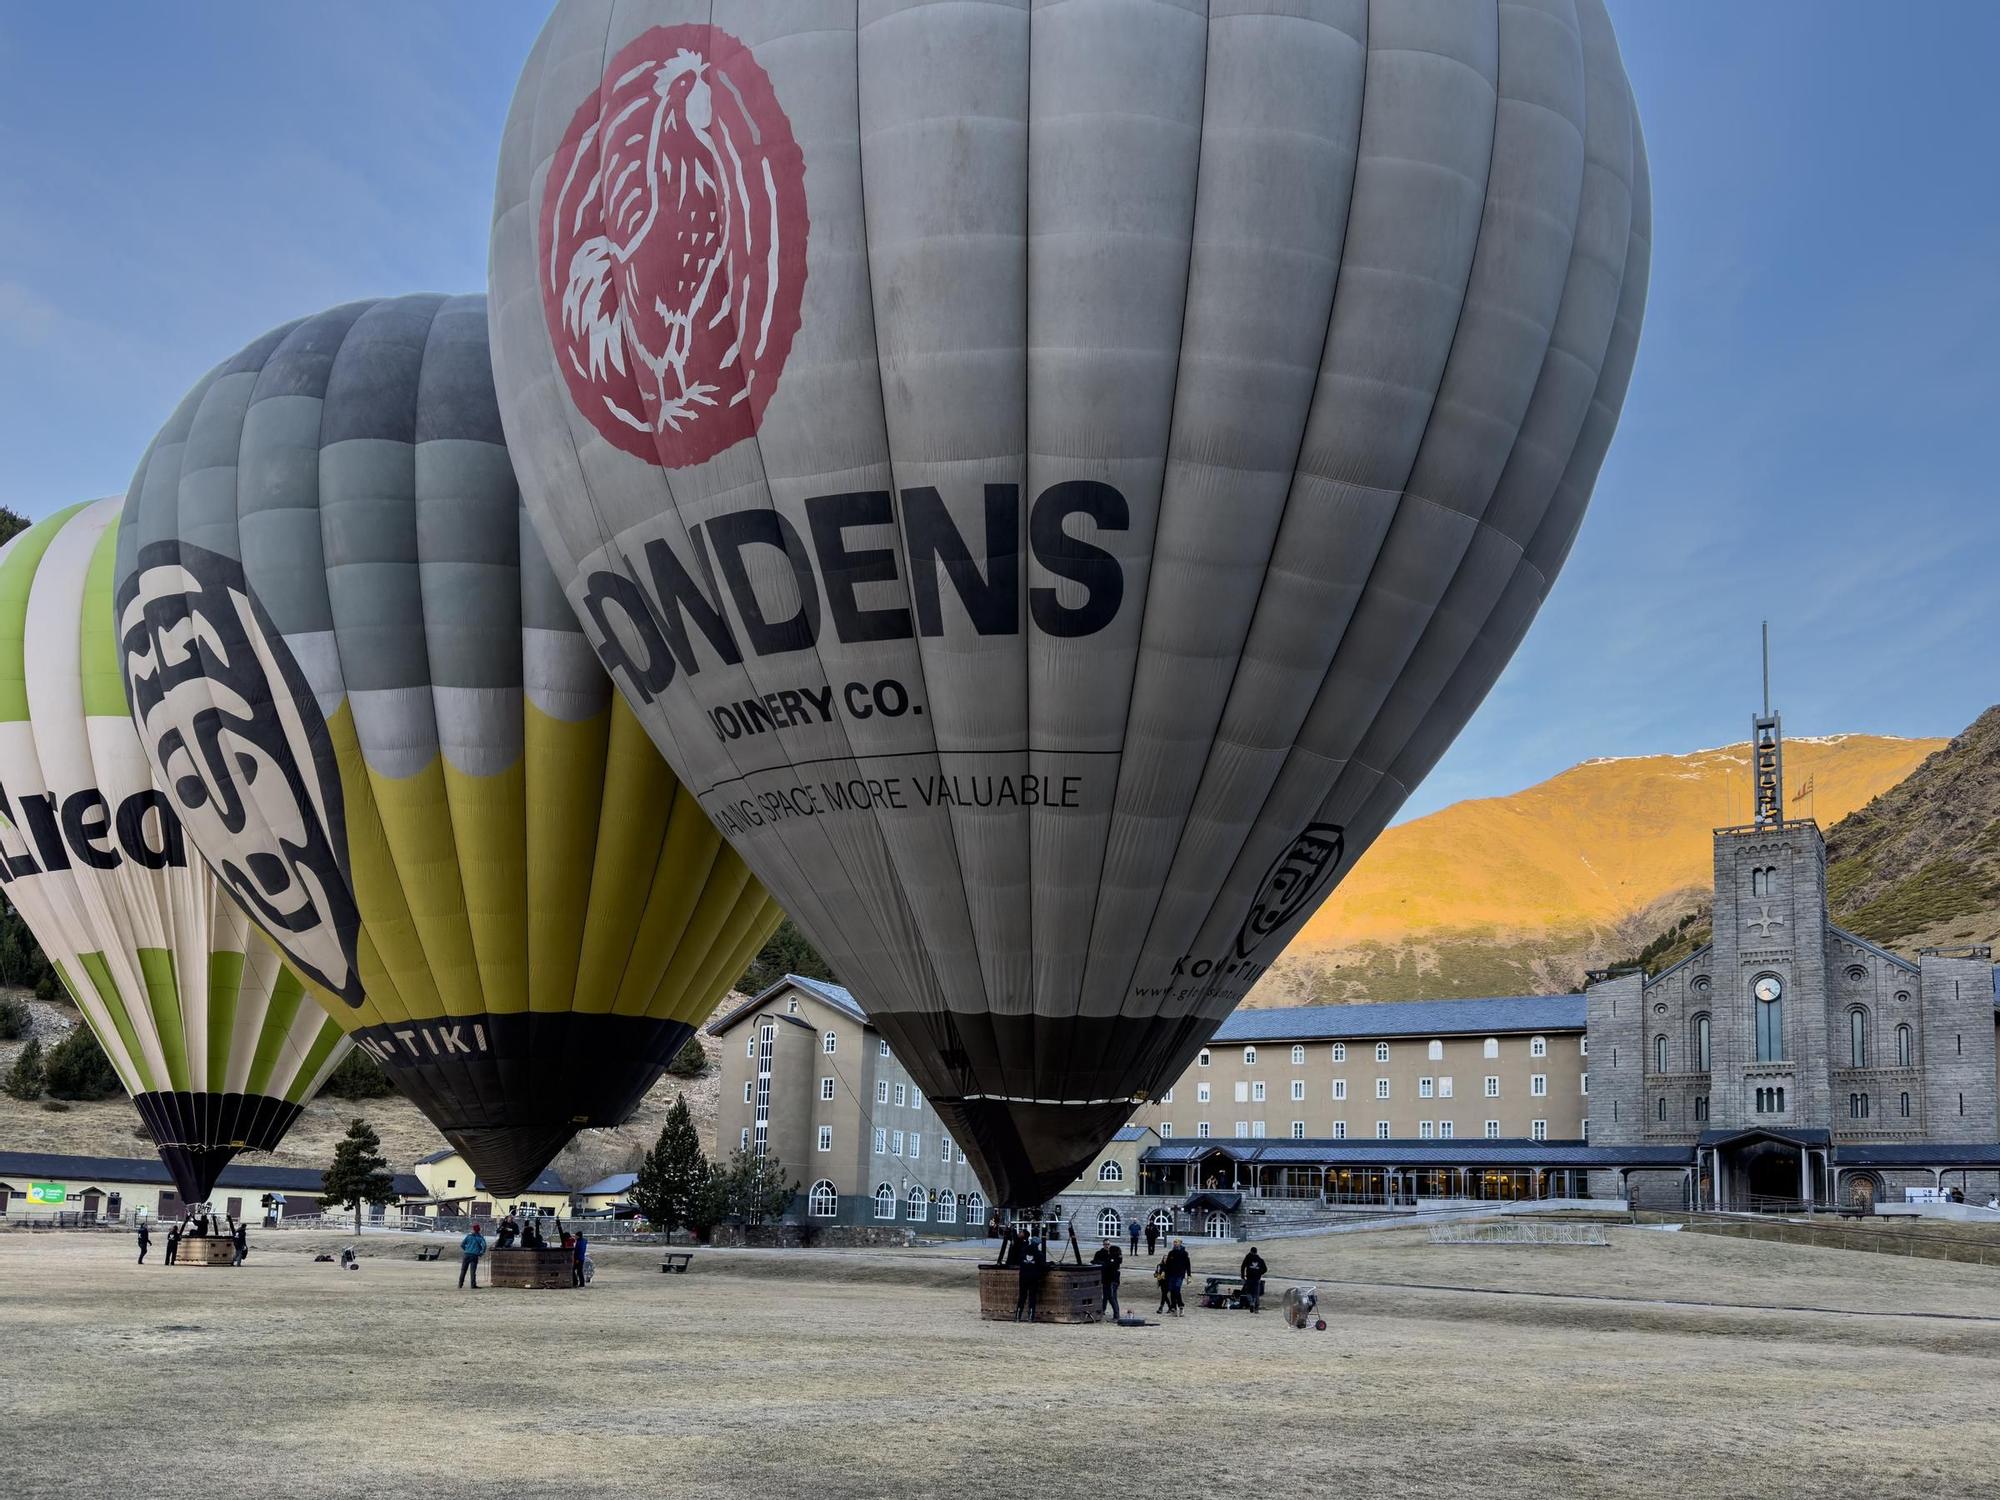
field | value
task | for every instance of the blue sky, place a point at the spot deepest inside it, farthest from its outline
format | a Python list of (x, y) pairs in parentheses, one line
[(1802, 440)]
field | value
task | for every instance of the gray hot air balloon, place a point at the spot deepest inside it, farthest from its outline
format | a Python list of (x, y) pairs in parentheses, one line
[(1052, 480)]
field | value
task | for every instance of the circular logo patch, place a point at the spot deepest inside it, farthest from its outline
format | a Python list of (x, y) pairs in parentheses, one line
[(672, 246)]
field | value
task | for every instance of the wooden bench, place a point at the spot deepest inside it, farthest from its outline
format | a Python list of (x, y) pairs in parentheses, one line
[(429, 1252), (677, 1261)]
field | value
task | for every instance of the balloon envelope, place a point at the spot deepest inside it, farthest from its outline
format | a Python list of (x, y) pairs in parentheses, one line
[(359, 682), (214, 1038), (1053, 479)]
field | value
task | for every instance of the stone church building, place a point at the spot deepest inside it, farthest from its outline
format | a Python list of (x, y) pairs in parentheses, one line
[(1793, 1059)]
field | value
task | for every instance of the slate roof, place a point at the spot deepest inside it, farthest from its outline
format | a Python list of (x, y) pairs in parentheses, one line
[(1516, 1013), (617, 1182), (1920, 1154), (84, 1170), (838, 996), (1132, 1132), (1803, 1135)]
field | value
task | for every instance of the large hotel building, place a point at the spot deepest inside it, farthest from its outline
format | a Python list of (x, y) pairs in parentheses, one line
[(1788, 1062)]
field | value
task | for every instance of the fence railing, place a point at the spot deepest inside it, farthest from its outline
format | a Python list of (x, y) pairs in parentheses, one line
[(1838, 1236)]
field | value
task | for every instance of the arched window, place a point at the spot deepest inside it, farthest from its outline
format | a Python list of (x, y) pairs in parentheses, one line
[(1110, 1171), (1538, 1046), (1857, 1038), (1217, 1225), (920, 1206), (1770, 1029), (1491, 1047), (975, 1208), (947, 1207), (885, 1201), (1660, 1053), (1435, 1051), (1905, 1046), (1702, 1029), (823, 1202), (1660, 1107), (1250, 1055), (1340, 1052), (1163, 1220), (1202, 1061), (1109, 1225), (1906, 1105), (1298, 1056), (1381, 1052), (1757, 883), (831, 1043)]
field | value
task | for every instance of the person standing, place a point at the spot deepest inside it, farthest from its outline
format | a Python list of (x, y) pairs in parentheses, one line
[(1252, 1270), (1178, 1267), (1152, 1236), (1110, 1260), (1033, 1258), (1135, 1237), (470, 1249), (173, 1243), (242, 1238), (578, 1250), (145, 1241)]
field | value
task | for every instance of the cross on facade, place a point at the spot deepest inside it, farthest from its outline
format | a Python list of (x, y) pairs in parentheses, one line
[(1764, 921)]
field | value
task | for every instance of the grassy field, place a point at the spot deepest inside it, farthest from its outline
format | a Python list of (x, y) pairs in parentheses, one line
[(1666, 1362)]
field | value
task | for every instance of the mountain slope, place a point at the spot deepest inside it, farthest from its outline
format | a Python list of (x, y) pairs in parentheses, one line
[(1509, 895), (1919, 866)]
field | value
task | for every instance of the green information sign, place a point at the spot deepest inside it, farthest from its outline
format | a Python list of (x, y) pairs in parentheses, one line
[(47, 1192)]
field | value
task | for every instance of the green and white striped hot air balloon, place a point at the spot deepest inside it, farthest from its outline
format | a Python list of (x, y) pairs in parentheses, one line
[(213, 1036)]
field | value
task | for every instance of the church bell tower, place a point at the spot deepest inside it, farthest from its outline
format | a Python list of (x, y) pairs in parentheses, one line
[(1769, 971)]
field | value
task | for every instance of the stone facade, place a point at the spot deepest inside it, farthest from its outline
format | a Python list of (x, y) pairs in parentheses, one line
[(1788, 1024)]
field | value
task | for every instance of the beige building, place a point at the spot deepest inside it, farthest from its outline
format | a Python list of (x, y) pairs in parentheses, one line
[(451, 1189), (805, 1078), (42, 1185), (1421, 1070)]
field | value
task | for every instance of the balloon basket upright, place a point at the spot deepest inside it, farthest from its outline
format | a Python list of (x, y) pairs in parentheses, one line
[(549, 1270), (205, 1250), (1068, 1294)]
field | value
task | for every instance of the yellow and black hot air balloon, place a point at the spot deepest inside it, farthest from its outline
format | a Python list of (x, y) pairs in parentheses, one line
[(359, 682), (210, 1033)]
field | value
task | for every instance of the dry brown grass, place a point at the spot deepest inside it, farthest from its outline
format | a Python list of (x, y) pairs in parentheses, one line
[(865, 1373)]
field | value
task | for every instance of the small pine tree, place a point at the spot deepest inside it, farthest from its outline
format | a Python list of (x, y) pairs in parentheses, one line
[(15, 1018), (690, 1060), (708, 1203), (360, 1172), (672, 1173), (755, 1187), (78, 1069), (789, 951), (24, 1080), (359, 1076)]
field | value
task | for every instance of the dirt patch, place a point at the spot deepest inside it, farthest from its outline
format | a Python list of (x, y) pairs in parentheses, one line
[(866, 1373)]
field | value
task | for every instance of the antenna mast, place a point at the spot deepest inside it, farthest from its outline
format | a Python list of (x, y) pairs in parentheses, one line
[(1767, 753)]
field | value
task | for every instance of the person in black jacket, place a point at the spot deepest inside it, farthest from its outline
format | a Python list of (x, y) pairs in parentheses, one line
[(145, 1241), (173, 1243), (1253, 1270), (1152, 1236), (1110, 1261), (1178, 1266), (1033, 1258)]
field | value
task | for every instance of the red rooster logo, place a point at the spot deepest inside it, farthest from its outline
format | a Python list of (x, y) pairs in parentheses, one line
[(673, 246)]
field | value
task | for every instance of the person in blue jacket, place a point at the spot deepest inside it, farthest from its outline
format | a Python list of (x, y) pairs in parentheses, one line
[(473, 1246), (576, 1263)]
